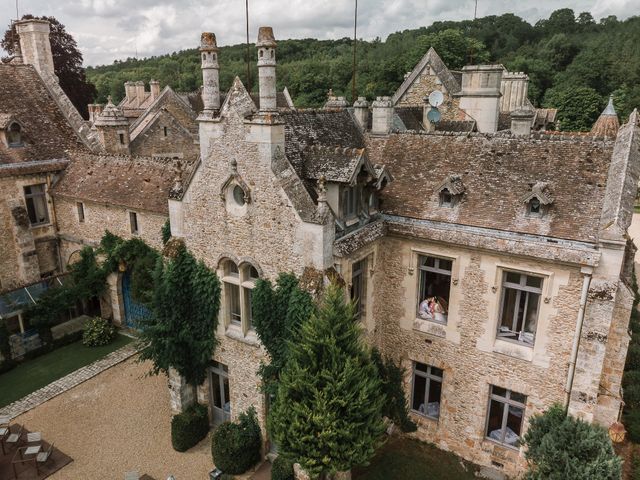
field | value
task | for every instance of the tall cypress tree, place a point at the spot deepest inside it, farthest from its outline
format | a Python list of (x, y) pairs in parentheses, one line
[(328, 409), (181, 332)]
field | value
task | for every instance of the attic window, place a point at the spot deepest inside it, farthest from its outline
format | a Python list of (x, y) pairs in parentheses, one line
[(446, 199), (538, 200), (121, 137), (238, 195), (14, 135), (535, 208), (165, 131)]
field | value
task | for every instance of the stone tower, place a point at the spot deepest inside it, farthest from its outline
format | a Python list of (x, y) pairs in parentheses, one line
[(210, 73), (266, 45), (113, 129), (481, 95), (35, 45)]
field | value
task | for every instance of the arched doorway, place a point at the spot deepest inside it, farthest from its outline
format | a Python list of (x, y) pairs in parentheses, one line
[(134, 311)]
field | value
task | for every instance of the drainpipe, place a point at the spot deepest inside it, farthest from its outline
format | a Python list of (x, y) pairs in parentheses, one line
[(586, 281)]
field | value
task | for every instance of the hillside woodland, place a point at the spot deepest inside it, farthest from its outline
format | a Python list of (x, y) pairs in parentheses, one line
[(574, 62)]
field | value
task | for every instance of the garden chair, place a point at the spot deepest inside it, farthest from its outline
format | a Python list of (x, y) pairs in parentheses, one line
[(33, 443), (4, 424), (42, 457), (14, 438), (132, 476)]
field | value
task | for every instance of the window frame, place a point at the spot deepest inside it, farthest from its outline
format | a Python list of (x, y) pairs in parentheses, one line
[(351, 201), (507, 401), (81, 212), (31, 198), (241, 277), (435, 270), (447, 199), (134, 224), (428, 376), (519, 288), (14, 130), (530, 206), (361, 272)]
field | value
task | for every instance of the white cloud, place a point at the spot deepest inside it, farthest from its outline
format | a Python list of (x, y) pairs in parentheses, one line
[(114, 29)]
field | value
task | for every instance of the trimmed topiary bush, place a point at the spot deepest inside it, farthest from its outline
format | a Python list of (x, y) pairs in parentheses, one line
[(98, 332), (235, 447), (189, 427), (282, 469)]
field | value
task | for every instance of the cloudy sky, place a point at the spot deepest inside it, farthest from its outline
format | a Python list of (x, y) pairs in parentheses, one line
[(116, 29)]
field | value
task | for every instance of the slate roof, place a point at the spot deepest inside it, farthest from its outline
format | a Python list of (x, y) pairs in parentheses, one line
[(335, 164), (46, 134), (497, 171), (139, 183)]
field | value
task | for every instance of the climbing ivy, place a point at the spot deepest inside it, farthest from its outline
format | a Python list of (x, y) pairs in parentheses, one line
[(166, 232)]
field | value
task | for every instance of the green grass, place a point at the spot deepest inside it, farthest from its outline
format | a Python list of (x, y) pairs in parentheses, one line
[(404, 459), (38, 372)]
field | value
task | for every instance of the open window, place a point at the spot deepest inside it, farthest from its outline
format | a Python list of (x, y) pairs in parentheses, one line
[(426, 390), (505, 416), (451, 191), (519, 307), (434, 288), (36, 199)]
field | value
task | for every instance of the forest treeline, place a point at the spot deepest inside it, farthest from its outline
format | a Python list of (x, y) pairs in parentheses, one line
[(574, 62)]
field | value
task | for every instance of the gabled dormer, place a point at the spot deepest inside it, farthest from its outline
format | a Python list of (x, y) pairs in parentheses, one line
[(538, 200), (11, 131), (451, 191)]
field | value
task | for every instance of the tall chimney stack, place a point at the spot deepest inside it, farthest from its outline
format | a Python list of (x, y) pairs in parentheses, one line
[(154, 85), (481, 95), (140, 93), (361, 112), (35, 44), (382, 116), (210, 73), (266, 45), (130, 91)]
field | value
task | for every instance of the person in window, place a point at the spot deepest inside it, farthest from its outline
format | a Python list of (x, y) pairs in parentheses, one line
[(433, 308)]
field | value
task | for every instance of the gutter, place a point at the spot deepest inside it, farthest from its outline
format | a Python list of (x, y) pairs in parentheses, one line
[(586, 282)]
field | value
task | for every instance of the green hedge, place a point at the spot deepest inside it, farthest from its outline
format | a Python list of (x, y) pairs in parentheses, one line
[(282, 469), (235, 447), (98, 332), (189, 427)]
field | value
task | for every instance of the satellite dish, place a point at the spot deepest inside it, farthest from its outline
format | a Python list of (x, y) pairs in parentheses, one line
[(433, 115), (436, 98)]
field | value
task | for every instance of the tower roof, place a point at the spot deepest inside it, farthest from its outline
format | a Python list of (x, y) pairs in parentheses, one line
[(607, 124), (111, 116), (265, 37)]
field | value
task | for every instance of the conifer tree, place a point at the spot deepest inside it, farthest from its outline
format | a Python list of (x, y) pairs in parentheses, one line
[(560, 447), (328, 409), (181, 332)]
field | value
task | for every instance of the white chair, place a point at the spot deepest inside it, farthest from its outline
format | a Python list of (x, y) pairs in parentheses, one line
[(4, 424), (132, 476), (14, 438), (33, 441), (43, 457)]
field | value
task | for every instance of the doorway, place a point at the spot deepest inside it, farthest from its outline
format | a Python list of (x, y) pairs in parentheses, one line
[(219, 393)]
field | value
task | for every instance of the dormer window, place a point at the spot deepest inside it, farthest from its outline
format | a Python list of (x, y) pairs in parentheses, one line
[(451, 191), (14, 135), (446, 199), (538, 200)]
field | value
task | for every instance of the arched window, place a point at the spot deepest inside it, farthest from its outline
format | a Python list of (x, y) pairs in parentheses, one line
[(14, 135), (238, 283)]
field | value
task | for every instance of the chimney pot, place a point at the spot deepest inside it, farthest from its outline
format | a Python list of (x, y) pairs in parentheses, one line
[(140, 93), (35, 45), (382, 116), (521, 121), (361, 112), (266, 46), (210, 73), (154, 85)]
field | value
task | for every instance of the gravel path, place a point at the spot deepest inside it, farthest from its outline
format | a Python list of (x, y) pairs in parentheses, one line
[(117, 421)]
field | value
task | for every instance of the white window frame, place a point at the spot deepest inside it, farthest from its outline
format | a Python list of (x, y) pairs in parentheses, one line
[(521, 288), (508, 402), (435, 269), (37, 197), (244, 280), (429, 377)]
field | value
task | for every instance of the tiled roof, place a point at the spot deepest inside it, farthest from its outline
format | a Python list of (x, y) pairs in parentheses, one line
[(132, 182), (497, 171), (46, 134), (335, 164), (194, 99)]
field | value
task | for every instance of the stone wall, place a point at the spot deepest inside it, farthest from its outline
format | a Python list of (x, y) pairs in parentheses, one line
[(423, 85), (466, 348), (98, 218), (178, 142)]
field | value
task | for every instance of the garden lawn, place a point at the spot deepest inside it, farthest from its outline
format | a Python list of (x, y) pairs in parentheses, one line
[(33, 374), (404, 459)]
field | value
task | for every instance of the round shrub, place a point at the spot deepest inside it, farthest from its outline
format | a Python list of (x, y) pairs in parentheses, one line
[(189, 427), (235, 447), (98, 332), (633, 357), (631, 421), (282, 469)]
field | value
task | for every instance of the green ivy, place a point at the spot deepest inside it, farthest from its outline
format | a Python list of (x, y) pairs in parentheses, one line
[(166, 232), (98, 332)]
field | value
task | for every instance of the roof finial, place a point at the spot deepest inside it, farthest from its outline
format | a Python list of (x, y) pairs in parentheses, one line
[(610, 110)]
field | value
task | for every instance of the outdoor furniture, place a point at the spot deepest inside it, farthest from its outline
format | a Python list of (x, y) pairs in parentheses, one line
[(14, 438), (42, 457), (4, 430), (25, 455), (33, 448)]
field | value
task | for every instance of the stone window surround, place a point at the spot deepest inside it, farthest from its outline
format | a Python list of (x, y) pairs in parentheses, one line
[(524, 420), (243, 331), (81, 211), (31, 196), (521, 289), (433, 270), (131, 216), (429, 376), (510, 348), (369, 256), (430, 326)]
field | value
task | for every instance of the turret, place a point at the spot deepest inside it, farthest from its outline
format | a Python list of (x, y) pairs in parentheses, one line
[(210, 73), (113, 129), (266, 46), (607, 124)]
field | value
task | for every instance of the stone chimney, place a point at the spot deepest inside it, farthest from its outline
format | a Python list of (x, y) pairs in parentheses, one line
[(35, 45), (481, 95), (210, 73), (514, 88), (154, 85), (140, 93), (113, 129), (521, 121), (266, 46), (382, 116), (361, 112), (426, 108), (95, 109), (130, 91)]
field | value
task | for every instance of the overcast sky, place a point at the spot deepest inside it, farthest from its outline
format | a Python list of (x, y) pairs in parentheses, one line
[(116, 29)]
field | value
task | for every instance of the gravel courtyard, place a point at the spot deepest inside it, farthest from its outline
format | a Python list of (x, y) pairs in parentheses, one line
[(116, 422)]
